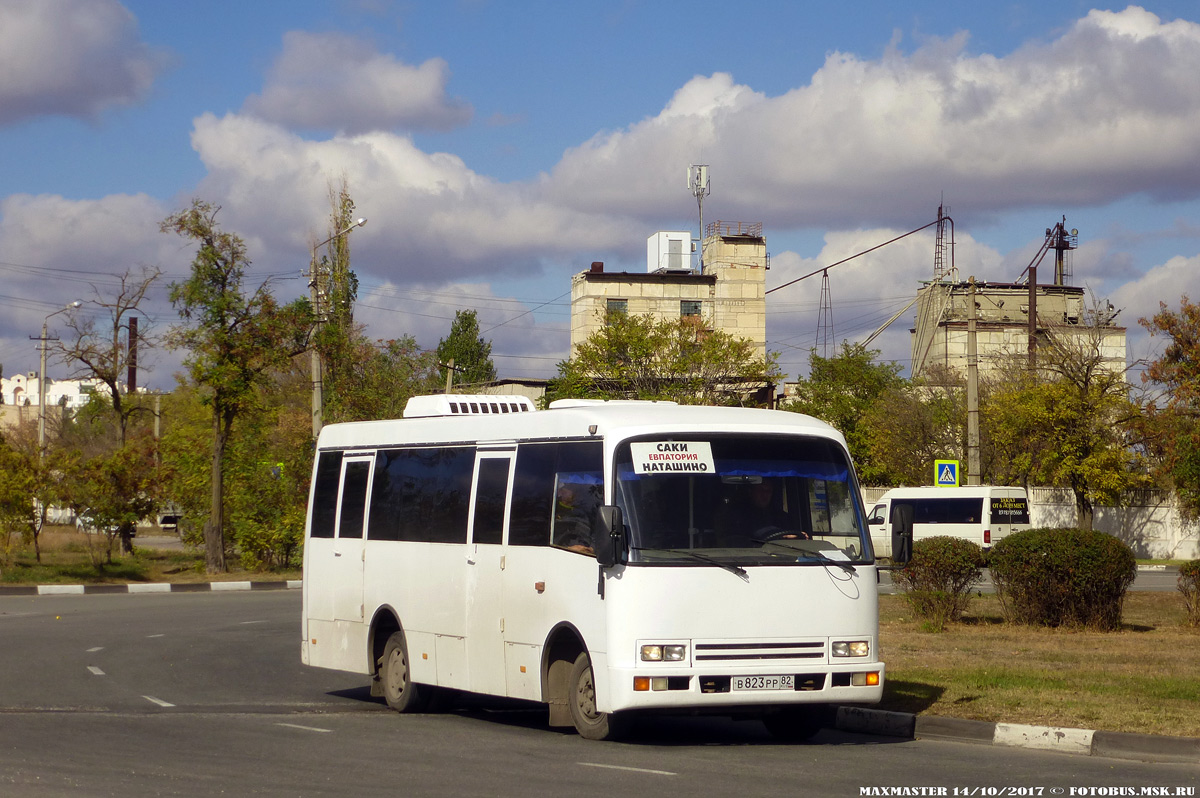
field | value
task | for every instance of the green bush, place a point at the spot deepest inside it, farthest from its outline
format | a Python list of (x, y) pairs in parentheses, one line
[(937, 580), (1062, 577), (1189, 586)]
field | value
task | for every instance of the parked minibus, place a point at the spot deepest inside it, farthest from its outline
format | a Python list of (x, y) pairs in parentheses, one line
[(983, 514)]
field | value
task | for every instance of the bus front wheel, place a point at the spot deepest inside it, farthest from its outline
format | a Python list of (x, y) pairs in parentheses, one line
[(589, 722), (401, 693)]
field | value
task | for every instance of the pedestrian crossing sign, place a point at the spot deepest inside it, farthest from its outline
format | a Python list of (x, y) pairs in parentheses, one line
[(945, 473)]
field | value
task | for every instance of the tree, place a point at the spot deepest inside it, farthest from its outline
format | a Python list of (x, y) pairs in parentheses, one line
[(636, 357), (103, 353), (234, 341), (907, 428), (840, 390), (17, 505), (1169, 425), (381, 376), (471, 354), (1065, 423), (114, 491)]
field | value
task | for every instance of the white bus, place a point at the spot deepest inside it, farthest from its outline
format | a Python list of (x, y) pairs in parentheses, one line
[(982, 514), (603, 558)]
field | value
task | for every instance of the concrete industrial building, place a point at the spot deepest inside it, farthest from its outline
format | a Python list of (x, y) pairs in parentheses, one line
[(1002, 325), (726, 291), (1002, 315)]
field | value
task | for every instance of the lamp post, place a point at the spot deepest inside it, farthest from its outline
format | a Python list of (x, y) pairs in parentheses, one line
[(318, 400), (42, 379)]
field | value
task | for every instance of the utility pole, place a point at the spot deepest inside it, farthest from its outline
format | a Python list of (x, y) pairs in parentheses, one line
[(42, 344), (316, 365), (973, 468)]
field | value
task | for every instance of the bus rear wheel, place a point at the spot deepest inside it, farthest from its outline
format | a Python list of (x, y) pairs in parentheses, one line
[(399, 690), (589, 722)]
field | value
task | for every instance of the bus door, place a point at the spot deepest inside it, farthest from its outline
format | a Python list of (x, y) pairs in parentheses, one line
[(485, 561), (348, 551)]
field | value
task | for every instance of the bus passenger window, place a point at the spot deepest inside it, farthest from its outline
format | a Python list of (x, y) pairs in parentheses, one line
[(354, 500), (325, 493)]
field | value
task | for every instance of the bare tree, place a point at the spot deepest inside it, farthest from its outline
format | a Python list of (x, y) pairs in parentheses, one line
[(100, 351)]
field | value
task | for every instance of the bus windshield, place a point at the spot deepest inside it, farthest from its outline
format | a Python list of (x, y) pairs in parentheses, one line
[(764, 499)]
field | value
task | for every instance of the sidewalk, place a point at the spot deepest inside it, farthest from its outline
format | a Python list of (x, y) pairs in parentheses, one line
[(1088, 742)]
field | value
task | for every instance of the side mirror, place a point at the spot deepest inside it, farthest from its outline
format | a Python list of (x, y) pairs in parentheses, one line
[(609, 536)]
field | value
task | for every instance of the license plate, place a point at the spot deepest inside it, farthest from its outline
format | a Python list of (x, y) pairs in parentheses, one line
[(787, 682)]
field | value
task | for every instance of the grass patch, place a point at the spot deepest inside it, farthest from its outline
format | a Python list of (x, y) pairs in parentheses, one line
[(68, 559), (1139, 679)]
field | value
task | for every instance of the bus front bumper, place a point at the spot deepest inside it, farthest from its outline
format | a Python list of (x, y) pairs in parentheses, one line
[(701, 689)]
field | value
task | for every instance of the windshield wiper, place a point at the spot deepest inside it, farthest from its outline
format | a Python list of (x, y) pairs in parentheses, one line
[(733, 569), (805, 551)]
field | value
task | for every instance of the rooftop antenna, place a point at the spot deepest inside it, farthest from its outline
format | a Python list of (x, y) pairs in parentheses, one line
[(698, 185)]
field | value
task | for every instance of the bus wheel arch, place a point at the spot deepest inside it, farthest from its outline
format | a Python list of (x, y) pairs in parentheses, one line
[(569, 687), (563, 646), (383, 626)]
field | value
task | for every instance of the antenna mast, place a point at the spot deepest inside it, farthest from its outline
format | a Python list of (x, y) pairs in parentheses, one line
[(698, 185), (825, 334)]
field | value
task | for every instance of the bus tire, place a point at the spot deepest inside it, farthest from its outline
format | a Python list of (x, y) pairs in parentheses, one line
[(795, 724), (581, 698), (399, 690)]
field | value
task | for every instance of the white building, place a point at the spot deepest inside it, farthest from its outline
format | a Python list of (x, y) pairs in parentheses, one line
[(23, 390)]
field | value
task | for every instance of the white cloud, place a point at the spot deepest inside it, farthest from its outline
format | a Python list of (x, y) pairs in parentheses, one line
[(429, 213), (71, 57), (332, 81), (1108, 109)]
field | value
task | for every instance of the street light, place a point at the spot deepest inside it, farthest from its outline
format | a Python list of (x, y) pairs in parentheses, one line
[(318, 400), (42, 379)]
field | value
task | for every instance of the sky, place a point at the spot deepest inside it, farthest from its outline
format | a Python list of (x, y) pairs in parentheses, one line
[(498, 148)]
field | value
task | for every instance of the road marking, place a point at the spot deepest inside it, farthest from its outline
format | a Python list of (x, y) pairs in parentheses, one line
[(305, 728), (94, 650), (150, 636), (95, 670), (631, 770), (158, 701), (247, 623)]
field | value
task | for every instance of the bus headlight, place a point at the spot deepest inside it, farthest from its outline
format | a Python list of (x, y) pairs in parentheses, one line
[(657, 652), (851, 648)]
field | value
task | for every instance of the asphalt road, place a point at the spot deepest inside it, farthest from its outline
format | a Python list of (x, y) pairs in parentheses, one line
[(203, 694)]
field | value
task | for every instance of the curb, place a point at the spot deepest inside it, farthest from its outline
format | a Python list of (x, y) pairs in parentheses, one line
[(152, 587), (1086, 742)]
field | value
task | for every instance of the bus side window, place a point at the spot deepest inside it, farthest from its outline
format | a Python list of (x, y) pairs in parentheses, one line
[(536, 482), (489, 500), (325, 492), (354, 500), (533, 495), (422, 494)]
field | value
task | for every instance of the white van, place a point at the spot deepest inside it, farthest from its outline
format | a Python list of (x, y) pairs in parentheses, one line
[(982, 514)]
